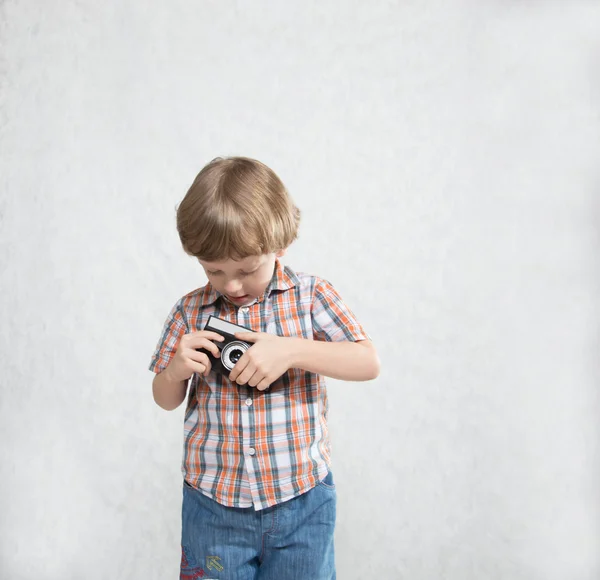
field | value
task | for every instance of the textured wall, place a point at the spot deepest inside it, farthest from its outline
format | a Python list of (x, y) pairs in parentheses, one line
[(445, 156)]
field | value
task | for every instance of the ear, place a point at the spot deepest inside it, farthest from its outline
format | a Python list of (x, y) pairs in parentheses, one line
[(280, 253)]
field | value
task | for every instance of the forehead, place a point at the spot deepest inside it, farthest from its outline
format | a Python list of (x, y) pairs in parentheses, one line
[(231, 265)]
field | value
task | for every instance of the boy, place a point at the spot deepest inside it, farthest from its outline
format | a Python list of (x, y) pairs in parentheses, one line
[(258, 495)]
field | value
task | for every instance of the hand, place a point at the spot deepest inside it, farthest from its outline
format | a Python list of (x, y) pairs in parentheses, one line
[(264, 362), (188, 360)]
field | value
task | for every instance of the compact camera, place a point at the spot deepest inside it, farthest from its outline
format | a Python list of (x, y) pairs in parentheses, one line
[(231, 348)]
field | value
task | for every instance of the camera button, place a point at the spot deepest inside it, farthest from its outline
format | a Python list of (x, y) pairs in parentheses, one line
[(251, 451), (248, 402)]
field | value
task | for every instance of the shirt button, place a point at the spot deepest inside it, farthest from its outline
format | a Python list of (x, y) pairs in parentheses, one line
[(244, 309), (251, 451), (248, 402)]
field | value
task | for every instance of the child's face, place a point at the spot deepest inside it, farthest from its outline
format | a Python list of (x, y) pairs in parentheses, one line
[(242, 281)]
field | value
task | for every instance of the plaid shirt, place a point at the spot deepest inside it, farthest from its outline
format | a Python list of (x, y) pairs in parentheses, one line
[(245, 447)]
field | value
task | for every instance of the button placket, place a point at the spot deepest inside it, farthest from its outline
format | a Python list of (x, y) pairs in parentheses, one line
[(243, 316)]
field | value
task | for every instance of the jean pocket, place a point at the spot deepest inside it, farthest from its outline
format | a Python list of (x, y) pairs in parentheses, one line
[(328, 482)]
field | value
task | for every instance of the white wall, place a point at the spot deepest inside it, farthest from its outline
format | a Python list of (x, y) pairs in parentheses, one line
[(445, 157)]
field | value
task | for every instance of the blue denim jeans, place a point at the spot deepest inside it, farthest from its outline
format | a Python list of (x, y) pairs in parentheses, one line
[(288, 541)]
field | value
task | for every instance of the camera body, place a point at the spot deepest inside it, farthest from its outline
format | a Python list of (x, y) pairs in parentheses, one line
[(231, 349)]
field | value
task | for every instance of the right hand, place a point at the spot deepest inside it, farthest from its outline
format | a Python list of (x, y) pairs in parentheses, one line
[(188, 360)]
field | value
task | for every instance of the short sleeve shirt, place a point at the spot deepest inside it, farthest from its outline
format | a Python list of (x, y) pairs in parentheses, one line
[(244, 447)]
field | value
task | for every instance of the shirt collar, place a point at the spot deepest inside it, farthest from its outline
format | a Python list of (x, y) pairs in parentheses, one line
[(283, 279)]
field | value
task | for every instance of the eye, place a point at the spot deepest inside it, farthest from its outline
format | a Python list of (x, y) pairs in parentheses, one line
[(212, 273)]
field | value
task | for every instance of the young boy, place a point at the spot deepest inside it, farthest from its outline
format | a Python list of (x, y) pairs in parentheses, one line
[(258, 496)]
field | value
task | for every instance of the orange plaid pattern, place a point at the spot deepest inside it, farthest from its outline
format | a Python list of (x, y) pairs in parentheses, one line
[(244, 447)]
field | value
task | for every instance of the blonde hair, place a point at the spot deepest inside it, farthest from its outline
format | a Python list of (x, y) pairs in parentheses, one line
[(236, 207)]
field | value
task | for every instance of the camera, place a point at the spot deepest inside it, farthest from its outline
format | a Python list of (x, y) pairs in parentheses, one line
[(231, 348)]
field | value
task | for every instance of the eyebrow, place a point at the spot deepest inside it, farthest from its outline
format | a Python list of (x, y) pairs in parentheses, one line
[(239, 269)]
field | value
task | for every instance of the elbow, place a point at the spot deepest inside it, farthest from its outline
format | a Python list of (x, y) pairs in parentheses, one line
[(377, 368), (372, 365), (168, 403), (167, 406), (163, 405), (158, 401)]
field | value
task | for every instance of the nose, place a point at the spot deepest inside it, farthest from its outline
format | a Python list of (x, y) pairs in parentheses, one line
[(232, 287)]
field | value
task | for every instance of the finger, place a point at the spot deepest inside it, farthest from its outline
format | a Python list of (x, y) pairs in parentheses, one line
[(249, 336), (207, 345), (210, 334), (238, 367), (194, 338), (256, 378), (198, 368), (202, 359), (264, 384), (246, 374), (251, 382)]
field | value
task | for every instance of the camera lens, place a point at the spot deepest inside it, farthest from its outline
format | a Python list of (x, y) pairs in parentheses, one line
[(232, 353), (235, 355)]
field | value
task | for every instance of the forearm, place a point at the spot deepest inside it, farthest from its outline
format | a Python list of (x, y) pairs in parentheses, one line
[(346, 360), (167, 393)]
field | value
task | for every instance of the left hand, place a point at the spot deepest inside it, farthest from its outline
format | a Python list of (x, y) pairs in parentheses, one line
[(264, 362)]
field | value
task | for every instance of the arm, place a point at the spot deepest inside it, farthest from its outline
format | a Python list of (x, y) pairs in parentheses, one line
[(168, 390), (272, 355), (345, 360), (170, 386), (340, 347), (168, 393)]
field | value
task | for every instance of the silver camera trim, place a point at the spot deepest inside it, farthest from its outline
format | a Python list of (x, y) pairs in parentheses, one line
[(234, 344)]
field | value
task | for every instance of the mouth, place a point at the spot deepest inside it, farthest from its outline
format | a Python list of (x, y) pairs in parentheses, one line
[(238, 298)]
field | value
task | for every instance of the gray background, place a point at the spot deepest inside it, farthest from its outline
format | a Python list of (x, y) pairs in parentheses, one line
[(445, 157)]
